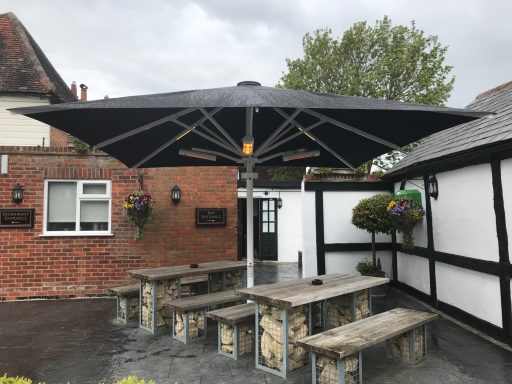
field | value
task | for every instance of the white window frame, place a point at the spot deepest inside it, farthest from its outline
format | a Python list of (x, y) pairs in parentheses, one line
[(80, 197)]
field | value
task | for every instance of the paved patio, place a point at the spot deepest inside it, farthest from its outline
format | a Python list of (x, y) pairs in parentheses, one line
[(77, 341)]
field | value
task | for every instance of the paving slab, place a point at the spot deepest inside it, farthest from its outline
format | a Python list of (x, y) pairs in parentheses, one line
[(78, 341)]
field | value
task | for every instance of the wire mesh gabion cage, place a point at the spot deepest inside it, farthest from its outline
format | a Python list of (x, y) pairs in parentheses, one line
[(328, 370), (409, 347), (236, 340), (345, 309), (193, 321), (278, 330)]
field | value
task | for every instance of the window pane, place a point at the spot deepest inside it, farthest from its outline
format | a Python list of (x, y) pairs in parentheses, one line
[(265, 205), (272, 216), (272, 227), (271, 205), (61, 207), (265, 227), (94, 189), (94, 215), (265, 216)]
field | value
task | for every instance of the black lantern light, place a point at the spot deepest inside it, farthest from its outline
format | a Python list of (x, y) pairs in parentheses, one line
[(433, 189), (17, 194), (175, 194), (279, 201)]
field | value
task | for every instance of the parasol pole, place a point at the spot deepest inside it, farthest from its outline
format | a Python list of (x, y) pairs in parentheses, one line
[(250, 175), (250, 223)]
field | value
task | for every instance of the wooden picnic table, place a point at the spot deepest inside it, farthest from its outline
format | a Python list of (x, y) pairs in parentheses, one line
[(289, 311), (166, 283)]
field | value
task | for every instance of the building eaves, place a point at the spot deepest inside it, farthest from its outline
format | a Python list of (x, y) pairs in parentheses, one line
[(466, 139)]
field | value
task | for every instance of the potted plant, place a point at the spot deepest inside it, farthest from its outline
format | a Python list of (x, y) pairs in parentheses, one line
[(371, 215), (404, 215), (138, 207)]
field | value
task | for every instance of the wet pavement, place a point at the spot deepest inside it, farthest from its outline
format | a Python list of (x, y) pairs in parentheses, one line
[(77, 341)]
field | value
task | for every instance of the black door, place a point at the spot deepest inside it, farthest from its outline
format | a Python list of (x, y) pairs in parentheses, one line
[(268, 229)]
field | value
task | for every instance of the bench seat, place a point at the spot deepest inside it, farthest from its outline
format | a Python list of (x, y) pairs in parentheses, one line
[(235, 329), (336, 353), (189, 313), (127, 302)]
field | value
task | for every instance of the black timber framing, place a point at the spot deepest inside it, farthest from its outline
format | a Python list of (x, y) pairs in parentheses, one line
[(501, 230), (430, 241), (319, 188), (501, 269), (320, 243)]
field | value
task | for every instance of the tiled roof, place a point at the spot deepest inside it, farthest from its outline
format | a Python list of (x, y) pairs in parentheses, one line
[(467, 137), (24, 68)]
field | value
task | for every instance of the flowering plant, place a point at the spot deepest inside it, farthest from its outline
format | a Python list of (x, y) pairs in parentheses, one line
[(405, 214), (138, 207)]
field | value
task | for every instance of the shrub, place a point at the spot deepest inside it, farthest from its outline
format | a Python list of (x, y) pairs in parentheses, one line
[(133, 380), (14, 380)]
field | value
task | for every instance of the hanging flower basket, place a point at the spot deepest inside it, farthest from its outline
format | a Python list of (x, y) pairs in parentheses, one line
[(138, 207), (405, 214)]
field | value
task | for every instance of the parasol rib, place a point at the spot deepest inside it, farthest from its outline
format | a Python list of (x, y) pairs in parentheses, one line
[(219, 127), (270, 139), (143, 128), (349, 128), (187, 130)]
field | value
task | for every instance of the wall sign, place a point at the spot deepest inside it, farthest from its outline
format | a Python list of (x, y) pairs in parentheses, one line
[(17, 218), (210, 216)]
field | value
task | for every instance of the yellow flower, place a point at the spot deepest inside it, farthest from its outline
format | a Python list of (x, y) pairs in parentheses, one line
[(391, 205)]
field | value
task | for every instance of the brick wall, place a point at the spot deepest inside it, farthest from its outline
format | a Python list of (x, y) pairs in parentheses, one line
[(36, 266)]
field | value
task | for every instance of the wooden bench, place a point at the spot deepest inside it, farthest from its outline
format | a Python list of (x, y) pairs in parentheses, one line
[(235, 329), (189, 313), (336, 353), (127, 302)]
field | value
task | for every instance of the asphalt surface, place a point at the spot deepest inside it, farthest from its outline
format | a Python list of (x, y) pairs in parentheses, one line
[(78, 341)]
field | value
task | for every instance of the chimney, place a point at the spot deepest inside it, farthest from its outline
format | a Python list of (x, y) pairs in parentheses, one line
[(73, 89), (83, 92)]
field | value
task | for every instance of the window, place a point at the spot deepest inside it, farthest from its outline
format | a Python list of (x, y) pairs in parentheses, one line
[(77, 207)]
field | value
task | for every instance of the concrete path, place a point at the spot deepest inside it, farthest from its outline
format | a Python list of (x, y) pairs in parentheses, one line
[(77, 341)]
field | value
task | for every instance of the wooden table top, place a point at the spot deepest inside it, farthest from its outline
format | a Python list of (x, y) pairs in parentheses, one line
[(288, 294), (178, 271)]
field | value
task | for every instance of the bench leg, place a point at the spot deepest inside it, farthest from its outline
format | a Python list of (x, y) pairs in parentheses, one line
[(410, 347), (122, 308), (327, 370)]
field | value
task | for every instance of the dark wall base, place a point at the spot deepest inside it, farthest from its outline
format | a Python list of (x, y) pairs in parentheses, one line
[(479, 324)]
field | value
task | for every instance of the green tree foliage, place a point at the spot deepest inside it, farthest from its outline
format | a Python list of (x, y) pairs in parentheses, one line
[(371, 215), (286, 173), (381, 61)]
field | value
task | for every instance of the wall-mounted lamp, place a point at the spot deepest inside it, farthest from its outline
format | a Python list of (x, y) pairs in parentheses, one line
[(175, 194), (279, 201), (17, 193), (433, 189)]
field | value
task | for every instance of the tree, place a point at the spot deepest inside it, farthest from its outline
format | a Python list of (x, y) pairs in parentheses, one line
[(383, 61), (371, 214)]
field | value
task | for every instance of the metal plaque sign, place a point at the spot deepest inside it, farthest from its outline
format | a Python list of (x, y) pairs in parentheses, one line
[(210, 216), (17, 218)]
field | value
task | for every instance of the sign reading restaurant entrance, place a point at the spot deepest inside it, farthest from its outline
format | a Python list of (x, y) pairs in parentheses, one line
[(210, 216), (17, 218)]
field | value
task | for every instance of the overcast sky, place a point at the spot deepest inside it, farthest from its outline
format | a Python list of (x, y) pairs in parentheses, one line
[(129, 47)]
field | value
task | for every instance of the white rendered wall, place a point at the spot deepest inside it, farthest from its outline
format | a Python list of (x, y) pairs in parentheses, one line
[(345, 262), (289, 219), (338, 215), (474, 292), (414, 271), (308, 234), (506, 181), (463, 218), (18, 129), (337, 229)]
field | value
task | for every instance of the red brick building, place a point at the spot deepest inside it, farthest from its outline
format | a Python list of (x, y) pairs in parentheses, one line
[(82, 242)]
